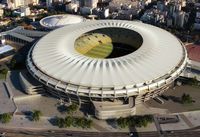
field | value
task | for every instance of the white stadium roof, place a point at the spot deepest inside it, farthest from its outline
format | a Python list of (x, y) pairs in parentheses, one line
[(54, 58), (56, 21)]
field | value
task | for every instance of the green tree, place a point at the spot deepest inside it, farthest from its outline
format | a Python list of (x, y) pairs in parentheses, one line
[(5, 117), (8, 13), (193, 81), (88, 123), (78, 122), (186, 99), (60, 122), (73, 121), (82, 122), (13, 63), (122, 122), (4, 71), (72, 108), (36, 115), (68, 121), (134, 121)]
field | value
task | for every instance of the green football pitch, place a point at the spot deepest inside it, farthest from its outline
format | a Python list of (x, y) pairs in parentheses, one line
[(94, 45)]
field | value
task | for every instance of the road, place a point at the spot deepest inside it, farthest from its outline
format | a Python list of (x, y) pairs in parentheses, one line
[(59, 133), (64, 133)]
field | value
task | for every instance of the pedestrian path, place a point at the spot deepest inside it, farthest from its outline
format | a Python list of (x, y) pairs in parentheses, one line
[(22, 121), (98, 127), (187, 121)]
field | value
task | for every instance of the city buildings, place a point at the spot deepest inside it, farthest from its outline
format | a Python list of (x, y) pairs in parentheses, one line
[(197, 21), (90, 3), (1, 12), (22, 11), (169, 13), (49, 3), (21, 3)]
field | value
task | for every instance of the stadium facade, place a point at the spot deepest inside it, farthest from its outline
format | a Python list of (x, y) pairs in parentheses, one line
[(111, 64)]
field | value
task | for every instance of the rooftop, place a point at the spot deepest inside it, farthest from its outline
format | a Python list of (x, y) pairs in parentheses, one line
[(56, 56), (5, 48), (56, 21), (193, 52)]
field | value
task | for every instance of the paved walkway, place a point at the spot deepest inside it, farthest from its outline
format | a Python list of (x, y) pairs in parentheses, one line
[(142, 109), (99, 127), (21, 121), (187, 121), (159, 129)]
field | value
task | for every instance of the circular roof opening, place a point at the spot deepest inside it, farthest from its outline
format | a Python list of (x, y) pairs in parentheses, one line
[(108, 43)]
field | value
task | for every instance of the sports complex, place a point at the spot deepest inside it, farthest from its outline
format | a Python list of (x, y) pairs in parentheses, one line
[(112, 64)]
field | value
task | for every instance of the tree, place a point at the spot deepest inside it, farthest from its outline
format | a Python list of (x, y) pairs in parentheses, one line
[(73, 121), (122, 122), (36, 115), (193, 81), (4, 71), (134, 121), (186, 99), (68, 121), (60, 122), (72, 108), (7, 13), (5, 117), (88, 123), (82, 122), (13, 63)]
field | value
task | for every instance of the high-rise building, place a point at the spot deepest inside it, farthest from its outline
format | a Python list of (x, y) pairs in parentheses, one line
[(18, 3), (49, 3), (179, 18), (1, 12), (90, 3), (25, 10)]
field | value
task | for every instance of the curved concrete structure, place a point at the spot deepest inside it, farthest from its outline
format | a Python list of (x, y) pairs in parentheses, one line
[(56, 21), (157, 60)]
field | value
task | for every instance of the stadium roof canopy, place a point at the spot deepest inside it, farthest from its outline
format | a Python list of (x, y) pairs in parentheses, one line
[(56, 21), (55, 60)]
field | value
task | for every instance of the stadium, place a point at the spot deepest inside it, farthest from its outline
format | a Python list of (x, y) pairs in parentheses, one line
[(60, 20), (112, 64)]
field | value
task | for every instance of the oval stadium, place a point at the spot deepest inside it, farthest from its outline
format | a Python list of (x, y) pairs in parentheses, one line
[(60, 20), (112, 64)]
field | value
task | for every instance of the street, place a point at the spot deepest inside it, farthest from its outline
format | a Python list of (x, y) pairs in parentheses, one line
[(64, 133)]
